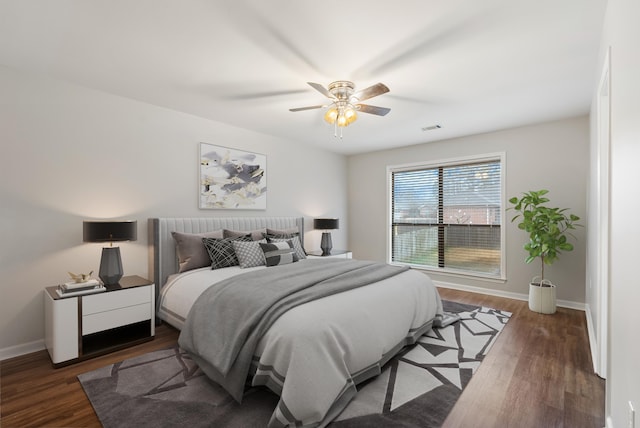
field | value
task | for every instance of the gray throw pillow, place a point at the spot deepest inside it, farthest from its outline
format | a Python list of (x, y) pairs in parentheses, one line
[(290, 231), (256, 235), (191, 251)]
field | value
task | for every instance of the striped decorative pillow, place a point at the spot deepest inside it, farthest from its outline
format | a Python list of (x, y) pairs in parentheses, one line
[(295, 239), (279, 253)]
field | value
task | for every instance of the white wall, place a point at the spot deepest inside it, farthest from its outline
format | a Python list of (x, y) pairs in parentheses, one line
[(622, 33), (69, 153), (551, 156)]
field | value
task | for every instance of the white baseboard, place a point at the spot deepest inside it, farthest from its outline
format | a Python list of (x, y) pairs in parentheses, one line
[(18, 350), (508, 294)]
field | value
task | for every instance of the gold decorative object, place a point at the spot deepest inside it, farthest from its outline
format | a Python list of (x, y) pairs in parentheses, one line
[(80, 277)]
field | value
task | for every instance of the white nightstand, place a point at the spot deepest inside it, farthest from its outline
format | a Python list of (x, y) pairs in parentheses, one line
[(335, 254), (81, 327)]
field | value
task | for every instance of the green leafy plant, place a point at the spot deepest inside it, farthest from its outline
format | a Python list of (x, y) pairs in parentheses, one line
[(548, 228)]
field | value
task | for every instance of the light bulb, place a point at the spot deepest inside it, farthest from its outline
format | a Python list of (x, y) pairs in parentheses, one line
[(350, 115), (342, 120), (331, 115)]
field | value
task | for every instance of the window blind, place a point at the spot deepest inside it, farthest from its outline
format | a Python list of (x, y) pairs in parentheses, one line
[(448, 217)]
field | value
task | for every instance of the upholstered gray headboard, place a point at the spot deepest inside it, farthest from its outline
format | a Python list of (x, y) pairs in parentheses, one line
[(163, 259)]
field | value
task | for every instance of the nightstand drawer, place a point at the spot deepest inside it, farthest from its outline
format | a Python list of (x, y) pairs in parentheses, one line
[(104, 302), (115, 318)]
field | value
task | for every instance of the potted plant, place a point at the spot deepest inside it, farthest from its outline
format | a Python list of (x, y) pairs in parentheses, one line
[(548, 230)]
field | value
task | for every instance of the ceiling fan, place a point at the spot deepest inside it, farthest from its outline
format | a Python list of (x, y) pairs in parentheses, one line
[(346, 103)]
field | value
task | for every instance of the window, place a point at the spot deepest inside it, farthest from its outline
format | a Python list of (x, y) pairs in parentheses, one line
[(447, 216)]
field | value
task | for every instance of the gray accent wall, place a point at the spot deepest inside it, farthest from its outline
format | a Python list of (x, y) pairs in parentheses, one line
[(552, 155)]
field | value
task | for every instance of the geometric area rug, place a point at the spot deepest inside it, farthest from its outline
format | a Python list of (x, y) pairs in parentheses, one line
[(417, 388)]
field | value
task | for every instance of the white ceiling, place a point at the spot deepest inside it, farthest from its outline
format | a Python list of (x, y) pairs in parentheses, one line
[(471, 66)]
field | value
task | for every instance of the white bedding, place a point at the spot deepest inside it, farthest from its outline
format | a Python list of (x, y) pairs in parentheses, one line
[(366, 324), (182, 290), (347, 336)]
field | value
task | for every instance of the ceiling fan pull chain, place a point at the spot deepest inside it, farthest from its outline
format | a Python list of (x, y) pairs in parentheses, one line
[(335, 130)]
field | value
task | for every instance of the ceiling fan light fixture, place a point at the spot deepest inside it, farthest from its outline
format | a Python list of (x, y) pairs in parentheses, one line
[(340, 115), (345, 104)]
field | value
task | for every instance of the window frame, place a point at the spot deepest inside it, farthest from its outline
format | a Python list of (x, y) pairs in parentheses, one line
[(458, 161)]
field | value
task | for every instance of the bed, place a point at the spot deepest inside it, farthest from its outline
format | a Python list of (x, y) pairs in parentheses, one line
[(334, 324)]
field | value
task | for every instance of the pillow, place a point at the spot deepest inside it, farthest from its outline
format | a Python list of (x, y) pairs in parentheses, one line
[(190, 249), (295, 239), (290, 231), (279, 253), (256, 235), (249, 253), (221, 251)]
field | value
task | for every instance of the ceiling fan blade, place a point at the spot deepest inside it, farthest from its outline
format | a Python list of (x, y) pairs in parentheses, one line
[(365, 108), (371, 91), (318, 87), (305, 108)]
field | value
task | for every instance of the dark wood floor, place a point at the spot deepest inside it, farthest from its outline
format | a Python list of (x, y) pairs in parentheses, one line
[(538, 374)]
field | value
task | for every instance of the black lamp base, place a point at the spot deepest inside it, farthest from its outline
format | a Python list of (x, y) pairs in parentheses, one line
[(110, 266), (325, 243)]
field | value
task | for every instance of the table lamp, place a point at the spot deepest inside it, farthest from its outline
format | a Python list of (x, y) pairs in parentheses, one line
[(325, 224), (110, 231)]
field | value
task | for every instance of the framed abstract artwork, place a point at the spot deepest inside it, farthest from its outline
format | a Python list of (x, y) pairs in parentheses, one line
[(232, 179)]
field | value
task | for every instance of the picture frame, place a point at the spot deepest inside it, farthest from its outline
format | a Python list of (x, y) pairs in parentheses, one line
[(232, 178)]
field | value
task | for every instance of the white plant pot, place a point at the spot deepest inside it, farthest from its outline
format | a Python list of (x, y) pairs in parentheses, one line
[(542, 297)]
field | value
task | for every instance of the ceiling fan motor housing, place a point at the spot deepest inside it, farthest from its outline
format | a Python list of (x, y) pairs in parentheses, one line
[(342, 89)]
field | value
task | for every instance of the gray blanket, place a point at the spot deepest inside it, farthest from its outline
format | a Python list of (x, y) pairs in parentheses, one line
[(227, 321)]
